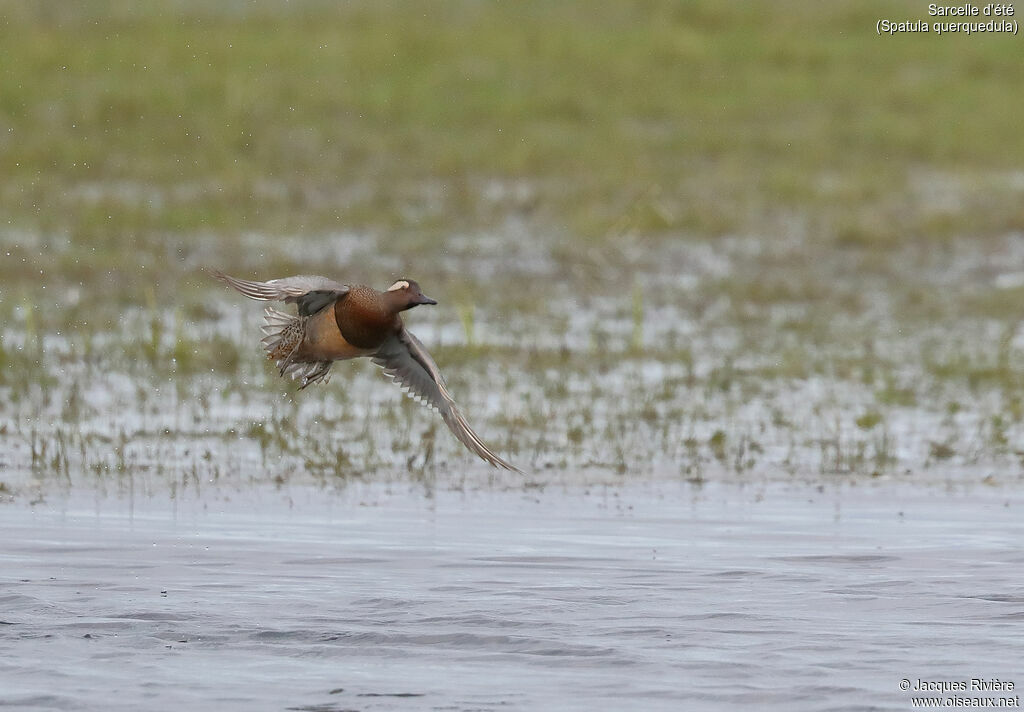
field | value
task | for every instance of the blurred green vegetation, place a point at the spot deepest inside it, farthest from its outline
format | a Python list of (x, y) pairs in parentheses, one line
[(120, 119), (757, 198)]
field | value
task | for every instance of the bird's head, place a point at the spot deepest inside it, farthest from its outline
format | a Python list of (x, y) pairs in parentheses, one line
[(406, 294)]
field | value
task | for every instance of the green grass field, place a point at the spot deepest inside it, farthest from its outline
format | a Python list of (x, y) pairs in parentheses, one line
[(758, 197), (122, 120)]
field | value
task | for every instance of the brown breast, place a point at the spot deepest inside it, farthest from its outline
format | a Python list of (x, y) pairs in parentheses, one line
[(323, 340), (363, 319)]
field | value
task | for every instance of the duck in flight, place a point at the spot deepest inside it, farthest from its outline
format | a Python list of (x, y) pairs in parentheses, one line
[(336, 322)]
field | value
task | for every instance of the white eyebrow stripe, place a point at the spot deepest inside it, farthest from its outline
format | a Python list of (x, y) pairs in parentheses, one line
[(400, 284)]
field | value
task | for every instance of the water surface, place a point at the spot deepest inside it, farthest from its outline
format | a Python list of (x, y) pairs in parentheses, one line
[(657, 596)]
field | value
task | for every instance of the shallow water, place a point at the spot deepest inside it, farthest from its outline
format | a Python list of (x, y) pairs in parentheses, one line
[(657, 596)]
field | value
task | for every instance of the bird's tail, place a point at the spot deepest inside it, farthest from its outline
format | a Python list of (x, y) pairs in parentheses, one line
[(283, 334)]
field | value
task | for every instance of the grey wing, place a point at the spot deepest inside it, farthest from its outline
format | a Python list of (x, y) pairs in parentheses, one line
[(287, 289), (407, 362)]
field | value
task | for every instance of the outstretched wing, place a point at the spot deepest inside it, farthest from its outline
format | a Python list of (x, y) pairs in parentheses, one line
[(312, 293), (407, 362)]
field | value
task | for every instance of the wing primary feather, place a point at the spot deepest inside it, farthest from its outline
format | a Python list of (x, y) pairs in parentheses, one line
[(407, 363), (287, 289), (254, 290)]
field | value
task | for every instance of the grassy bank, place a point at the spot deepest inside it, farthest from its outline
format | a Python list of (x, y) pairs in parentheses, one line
[(708, 117), (804, 237)]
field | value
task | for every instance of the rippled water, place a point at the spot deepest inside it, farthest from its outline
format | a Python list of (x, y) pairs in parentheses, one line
[(642, 597)]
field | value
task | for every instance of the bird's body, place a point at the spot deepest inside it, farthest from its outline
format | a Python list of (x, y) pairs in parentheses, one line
[(355, 325), (336, 322)]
